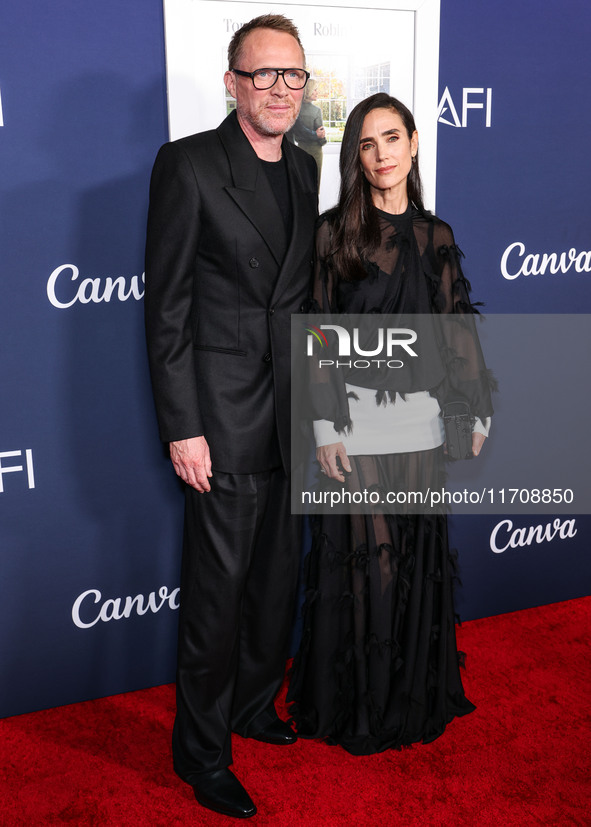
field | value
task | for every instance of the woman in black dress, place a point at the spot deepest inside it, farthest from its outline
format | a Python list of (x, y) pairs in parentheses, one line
[(378, 666)]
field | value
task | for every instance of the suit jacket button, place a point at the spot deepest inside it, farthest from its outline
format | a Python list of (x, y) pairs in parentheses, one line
[(271, 311), (254, 263), (267, 357)]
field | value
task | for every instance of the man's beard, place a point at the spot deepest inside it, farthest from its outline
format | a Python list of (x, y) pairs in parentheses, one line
[(265, 123)]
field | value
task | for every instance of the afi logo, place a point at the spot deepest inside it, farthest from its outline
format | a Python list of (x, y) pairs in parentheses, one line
[(14, 469), (472, 98)]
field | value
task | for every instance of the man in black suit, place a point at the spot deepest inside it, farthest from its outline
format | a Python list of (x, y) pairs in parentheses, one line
[(229, 248)]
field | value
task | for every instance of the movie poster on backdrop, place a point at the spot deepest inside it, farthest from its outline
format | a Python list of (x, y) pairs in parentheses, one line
[(351, 53)]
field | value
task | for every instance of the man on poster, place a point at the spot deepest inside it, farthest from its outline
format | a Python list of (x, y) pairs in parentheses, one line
[(229, 246)]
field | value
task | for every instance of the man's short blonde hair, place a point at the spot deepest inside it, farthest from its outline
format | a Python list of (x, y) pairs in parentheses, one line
[(276, 22)]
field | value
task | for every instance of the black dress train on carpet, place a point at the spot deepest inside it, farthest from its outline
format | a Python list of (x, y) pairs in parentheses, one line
[(378, 666)]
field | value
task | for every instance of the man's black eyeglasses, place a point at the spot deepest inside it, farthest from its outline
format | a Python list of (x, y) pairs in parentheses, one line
[(266, 78)]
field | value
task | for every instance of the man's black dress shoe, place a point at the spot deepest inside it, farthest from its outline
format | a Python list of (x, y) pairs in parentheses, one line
[(277, 732), (221, 791)]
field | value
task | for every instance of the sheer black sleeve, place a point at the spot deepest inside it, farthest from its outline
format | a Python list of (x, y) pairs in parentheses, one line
[(328, 396), (468, 378)]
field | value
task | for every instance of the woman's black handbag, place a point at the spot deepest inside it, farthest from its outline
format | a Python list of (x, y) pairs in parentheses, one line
[(458, 421)]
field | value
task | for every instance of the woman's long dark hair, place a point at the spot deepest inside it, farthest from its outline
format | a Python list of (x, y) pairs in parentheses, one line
[(357, 231)]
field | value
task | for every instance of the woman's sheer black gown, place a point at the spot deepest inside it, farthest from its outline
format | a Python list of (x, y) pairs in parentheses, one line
[(378, 665)]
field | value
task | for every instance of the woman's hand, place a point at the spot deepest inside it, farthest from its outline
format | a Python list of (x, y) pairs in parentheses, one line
[(477, 443), (327, 457)]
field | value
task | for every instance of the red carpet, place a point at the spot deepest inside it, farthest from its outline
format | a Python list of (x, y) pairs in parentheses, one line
[(523, 758)]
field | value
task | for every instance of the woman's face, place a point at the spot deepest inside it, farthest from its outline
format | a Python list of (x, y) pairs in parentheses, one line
[(386, 152)]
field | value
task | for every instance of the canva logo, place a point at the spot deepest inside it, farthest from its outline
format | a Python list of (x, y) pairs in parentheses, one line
[(86, 611), (504, 536), (7, 466), (64, 289), (515, 262), (474, 98), (387, 339)]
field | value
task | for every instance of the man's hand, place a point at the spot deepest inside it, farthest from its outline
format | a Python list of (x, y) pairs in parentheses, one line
[(327, 457), (192, 462)]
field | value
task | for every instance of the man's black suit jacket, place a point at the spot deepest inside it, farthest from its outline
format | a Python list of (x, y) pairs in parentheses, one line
[(219, 298)]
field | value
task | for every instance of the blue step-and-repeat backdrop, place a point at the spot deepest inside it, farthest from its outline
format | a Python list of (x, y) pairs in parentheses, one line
[(90, 509)]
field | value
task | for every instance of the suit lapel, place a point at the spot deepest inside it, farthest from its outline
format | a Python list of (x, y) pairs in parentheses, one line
[(251, 190), (303, 202)]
